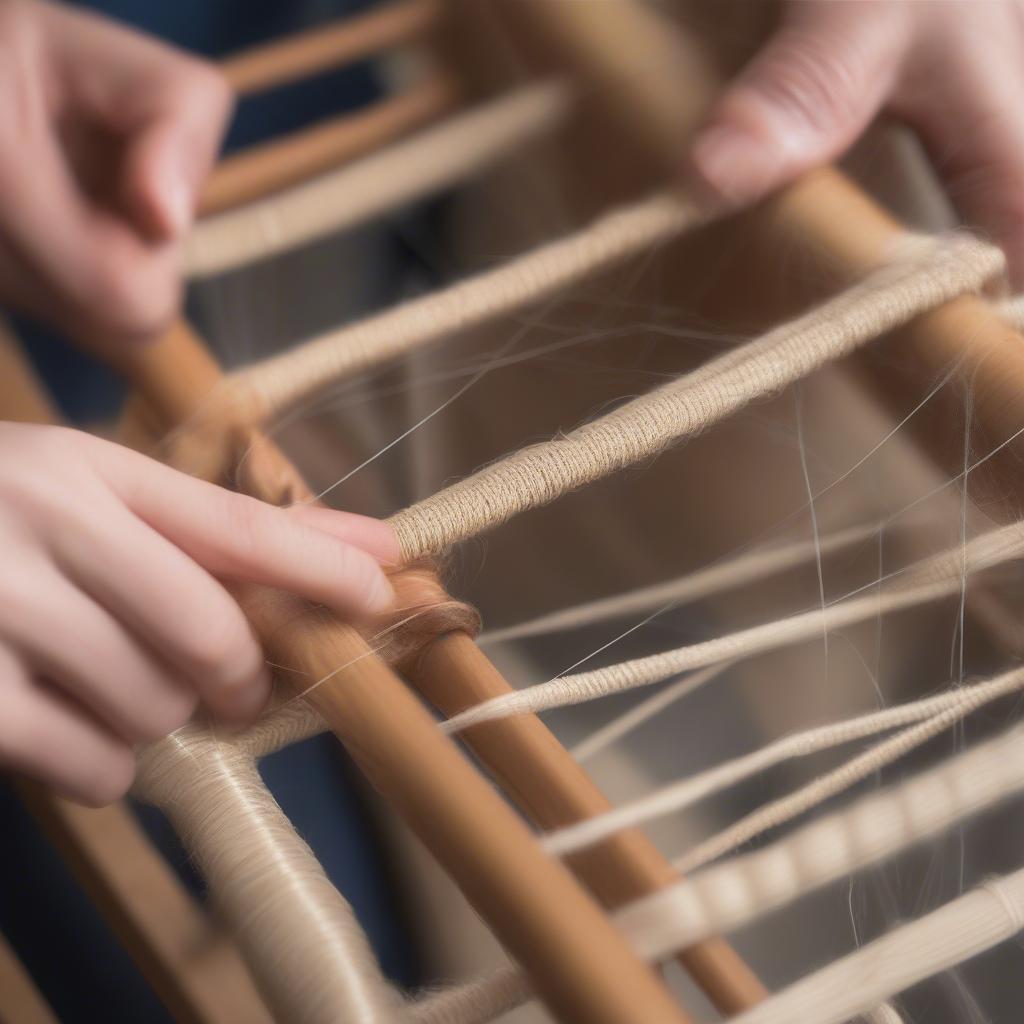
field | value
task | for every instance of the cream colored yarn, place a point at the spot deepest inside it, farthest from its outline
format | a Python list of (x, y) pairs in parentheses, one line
[(926, 274), (929, 580), (963, 928), (937, 713), (435, 158), (306, 949), (275, 384)]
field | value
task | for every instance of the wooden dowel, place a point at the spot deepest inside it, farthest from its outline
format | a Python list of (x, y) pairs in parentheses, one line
[(329, 46), (826, 215), (20, 1000), (267, 168), (579, 963), (545, 782)]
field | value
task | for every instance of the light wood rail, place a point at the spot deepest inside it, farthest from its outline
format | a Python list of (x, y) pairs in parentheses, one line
[(272, 166), (324, 47)]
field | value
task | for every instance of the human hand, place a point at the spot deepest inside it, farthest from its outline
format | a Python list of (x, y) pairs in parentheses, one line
[(953, 71), (105, 138), (113, 622)]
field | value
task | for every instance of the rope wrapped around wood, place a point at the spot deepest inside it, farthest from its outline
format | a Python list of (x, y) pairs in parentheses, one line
[(936, 713), (963, 928), (924, 273), (728, 896), (265, 880), (275, 384), (434, 159)]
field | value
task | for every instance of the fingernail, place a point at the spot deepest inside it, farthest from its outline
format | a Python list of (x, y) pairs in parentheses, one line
[(729, 166), (177, 200)]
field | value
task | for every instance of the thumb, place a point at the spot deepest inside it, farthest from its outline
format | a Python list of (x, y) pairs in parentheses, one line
[(801, 101), (173, 148), (166, 108), (983, 169)]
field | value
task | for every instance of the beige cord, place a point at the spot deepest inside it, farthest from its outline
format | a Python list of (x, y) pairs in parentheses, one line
[(928, 580), (927, 273), (431, 160), (301, 939), (938, 712), (271, 386)]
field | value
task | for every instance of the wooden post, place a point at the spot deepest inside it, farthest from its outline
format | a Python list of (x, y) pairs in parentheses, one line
[(540, 775), (272, 166), (329, 46)]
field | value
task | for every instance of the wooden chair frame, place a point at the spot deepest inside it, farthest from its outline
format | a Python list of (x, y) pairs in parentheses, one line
[(548, 917)]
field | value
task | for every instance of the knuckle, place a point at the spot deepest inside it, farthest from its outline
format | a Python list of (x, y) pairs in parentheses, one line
[(815, 81), (132, 296), (205, 100), (221, 651), (50, 462)]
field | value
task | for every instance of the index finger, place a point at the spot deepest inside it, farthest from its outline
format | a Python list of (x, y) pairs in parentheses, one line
[(237, 537)]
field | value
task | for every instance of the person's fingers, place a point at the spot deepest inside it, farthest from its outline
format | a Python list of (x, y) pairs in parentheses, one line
[(373, 536), (77, 263), (176, 607), (982, 168), (174, 120), (46, 737), (240, 538), (168, 107), (986, 183), (801, 101), (62, 635), (105, 137)]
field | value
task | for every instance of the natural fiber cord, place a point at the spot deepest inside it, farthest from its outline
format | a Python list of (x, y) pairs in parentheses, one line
[(928, 580), (937, 712), (729, 896), (928, 273), (271, 386), (434, 159)]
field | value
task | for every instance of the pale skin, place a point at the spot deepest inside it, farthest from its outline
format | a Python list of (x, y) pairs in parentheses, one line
[(116, 617), (953, 70)]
